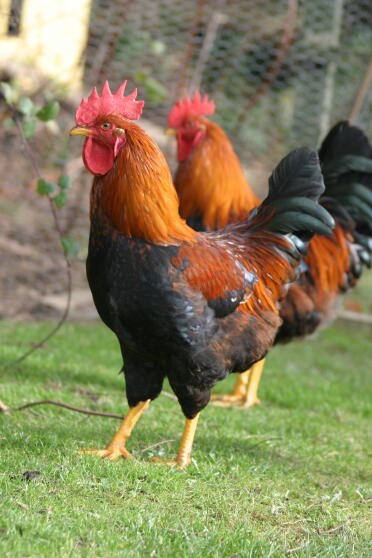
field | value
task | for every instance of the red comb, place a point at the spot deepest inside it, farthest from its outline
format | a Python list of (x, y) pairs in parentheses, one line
[(109, 103), (185, 107)]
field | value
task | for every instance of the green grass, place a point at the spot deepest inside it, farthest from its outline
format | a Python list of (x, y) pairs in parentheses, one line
[(290, 474), (361, 295)]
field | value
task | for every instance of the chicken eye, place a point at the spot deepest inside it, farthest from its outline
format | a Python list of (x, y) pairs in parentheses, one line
[(106, 126), (190, 124)]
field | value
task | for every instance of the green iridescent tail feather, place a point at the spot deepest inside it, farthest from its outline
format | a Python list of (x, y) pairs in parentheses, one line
[(291, 205), (346, 159)]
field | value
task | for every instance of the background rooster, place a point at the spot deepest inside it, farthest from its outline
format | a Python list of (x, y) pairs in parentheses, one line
[(188, 306), (213, 192)]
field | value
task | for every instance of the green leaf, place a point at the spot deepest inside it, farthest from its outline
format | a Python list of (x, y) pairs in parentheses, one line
[(140, 77), (44, 187), (8, 91), (26, 106), (29, 127), (155, 91), (48, 112), (64, 182), (70, 246), (60, 199)]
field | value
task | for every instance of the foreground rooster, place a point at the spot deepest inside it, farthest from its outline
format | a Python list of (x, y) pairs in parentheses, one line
[(188, 306), (213, 192)]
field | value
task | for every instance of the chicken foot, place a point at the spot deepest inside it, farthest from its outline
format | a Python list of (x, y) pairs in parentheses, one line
[(183, 458), (244, 393), (117, 446)]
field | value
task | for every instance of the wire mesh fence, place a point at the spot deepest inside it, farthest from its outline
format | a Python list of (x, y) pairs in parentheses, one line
[(280, 72)]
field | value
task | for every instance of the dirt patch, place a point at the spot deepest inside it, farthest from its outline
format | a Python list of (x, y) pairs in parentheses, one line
[(32, 265)]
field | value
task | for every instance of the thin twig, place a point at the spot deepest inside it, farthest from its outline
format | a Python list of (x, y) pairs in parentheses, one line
[(154, 446), (301, 547), (297, 521), (60, 235), (333, 529), (213, 25), (361, 94), (66, 406)]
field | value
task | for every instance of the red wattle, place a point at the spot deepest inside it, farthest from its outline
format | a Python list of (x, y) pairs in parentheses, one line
[(185, 145), (98, 158)]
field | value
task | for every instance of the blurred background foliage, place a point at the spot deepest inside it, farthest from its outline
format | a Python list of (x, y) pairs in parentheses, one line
[(281, 74)]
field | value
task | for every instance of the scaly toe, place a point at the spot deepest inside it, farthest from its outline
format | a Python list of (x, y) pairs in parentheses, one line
[(228, 401), (233, 401), (225, 397), (111, 454)]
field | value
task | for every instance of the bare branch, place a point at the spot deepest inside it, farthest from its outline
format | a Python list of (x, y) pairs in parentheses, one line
[(301, 547), (333, 529), (65, 406), (361, 94), (58, 228)]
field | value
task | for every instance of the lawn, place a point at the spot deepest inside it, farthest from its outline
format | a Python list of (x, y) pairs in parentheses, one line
[(287, 478)]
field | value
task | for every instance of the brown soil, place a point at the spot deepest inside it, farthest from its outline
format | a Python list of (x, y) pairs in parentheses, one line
[(32, 264)]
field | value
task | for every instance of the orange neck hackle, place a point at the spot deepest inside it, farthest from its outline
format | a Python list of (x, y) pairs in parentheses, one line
[(138, 195), (211, 182)]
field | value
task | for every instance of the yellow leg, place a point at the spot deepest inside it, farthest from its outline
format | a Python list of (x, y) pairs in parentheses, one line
[(116, 448), (237, 396), (240, 387), (244, 393), (251, 398), (183, 458)]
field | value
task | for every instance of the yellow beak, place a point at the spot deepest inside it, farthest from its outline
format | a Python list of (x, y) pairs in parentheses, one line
[(80, 131), (170, 132)]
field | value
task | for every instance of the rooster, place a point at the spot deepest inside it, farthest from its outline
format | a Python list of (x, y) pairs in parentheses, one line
[(189, 306), (213, 192)]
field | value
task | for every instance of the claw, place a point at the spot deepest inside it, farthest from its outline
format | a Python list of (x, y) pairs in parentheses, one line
[(116, 448), (234, 401), (244, 394), (111, 454), (183, 458)]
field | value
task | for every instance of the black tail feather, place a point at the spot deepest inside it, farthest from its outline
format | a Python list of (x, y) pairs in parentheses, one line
[(346, 159), (298, 174), (344, 139), (291, 206)]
